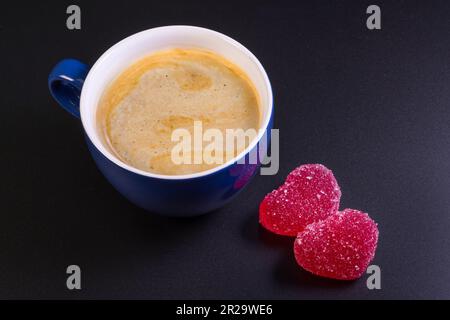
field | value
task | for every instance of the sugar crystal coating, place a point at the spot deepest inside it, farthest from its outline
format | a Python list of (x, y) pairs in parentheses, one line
[(340, 247), (309, 194)]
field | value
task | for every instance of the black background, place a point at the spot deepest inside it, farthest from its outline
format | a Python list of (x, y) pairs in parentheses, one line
[(371, 105)]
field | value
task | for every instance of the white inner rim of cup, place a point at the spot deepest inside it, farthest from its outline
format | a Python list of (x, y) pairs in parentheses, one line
[(141, 44)]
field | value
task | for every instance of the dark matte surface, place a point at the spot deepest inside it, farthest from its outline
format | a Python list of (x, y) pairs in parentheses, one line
[(371, 105)]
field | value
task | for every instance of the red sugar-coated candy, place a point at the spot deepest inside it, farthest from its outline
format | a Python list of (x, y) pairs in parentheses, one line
[(340, 247), (309, 194)]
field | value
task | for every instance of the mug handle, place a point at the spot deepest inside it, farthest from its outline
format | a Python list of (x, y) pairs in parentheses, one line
[(65, 82)]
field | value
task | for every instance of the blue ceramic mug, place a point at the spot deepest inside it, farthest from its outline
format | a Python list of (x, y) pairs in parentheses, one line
[(78, 90)]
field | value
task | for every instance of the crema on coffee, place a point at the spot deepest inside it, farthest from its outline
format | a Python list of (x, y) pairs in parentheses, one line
[(170, 90)]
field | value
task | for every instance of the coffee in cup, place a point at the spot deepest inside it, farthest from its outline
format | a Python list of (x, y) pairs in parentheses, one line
[(171, 90)]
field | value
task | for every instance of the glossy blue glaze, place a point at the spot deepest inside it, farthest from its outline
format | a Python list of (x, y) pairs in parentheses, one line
[(65, 83), (172, 197)]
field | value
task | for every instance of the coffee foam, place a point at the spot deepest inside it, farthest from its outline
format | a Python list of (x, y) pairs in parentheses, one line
[(170, 90)]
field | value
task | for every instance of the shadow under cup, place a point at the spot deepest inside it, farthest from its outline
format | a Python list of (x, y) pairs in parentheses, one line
[(181, 195)]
